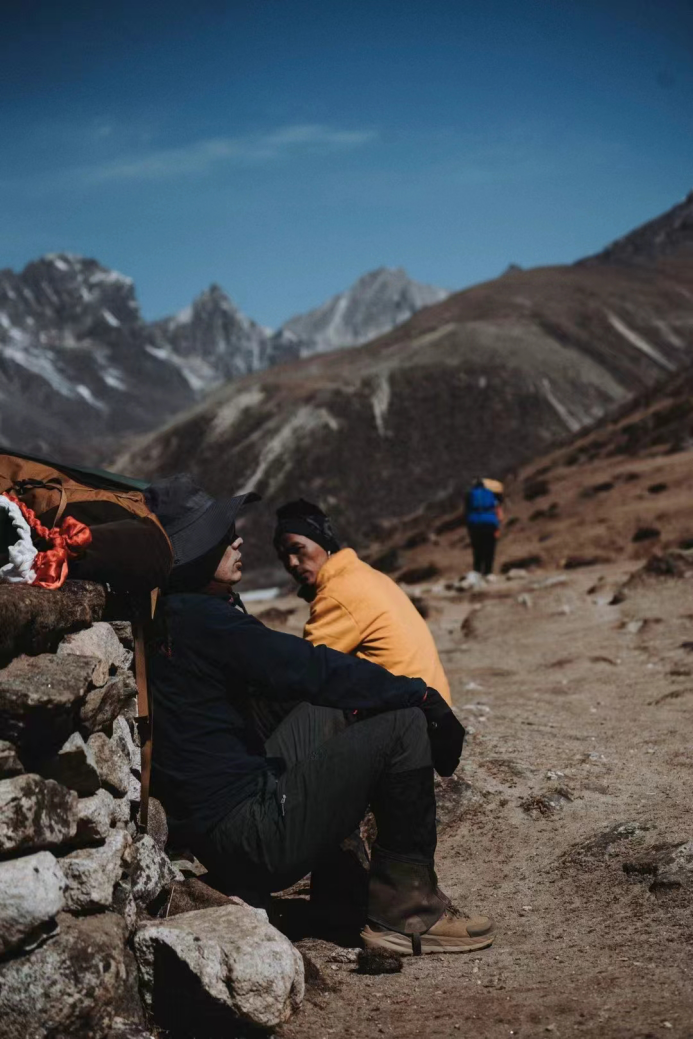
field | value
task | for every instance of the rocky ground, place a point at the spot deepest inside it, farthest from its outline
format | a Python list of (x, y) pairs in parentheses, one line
[(576, 835)]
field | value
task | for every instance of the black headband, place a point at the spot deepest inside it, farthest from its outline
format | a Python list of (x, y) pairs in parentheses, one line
[(301, 517)]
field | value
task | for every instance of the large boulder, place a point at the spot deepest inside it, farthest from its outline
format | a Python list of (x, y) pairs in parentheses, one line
[(208, 969), (31, 896), (92, 873), (151, 871), (34, 620), (102, 706), (35, 813), (74, 766), (39, 701), (72, 987), (112, 765)]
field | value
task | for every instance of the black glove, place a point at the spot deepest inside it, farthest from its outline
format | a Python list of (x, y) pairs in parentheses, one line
[(445, 733)]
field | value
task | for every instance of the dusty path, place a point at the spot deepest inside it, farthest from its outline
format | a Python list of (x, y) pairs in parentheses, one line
[(571, 699)]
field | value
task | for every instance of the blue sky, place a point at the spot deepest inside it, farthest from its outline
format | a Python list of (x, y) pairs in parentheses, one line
[(283, 147)]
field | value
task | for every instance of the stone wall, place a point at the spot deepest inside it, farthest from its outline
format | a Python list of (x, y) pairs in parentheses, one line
[(89, 943)]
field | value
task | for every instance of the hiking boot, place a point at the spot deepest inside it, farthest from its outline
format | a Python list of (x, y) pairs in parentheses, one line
[(409, 914), (451, 933)]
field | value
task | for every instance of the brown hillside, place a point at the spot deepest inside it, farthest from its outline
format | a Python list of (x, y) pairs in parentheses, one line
[(620, 492)]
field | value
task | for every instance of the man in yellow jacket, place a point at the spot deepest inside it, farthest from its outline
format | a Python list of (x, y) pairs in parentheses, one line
[(354, 608)]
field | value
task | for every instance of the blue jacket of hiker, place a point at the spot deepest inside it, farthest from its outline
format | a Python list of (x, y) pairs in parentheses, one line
[(210, 658), (480, 507)]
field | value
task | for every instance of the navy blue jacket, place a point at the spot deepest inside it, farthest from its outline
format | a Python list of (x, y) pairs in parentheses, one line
[(210, 659)]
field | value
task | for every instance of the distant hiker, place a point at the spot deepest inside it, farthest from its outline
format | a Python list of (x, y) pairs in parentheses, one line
[(483, 518), (261, 817), (353, 607)]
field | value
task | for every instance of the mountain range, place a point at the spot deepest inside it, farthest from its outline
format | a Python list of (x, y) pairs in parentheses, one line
[(478, 383), (80, 369)]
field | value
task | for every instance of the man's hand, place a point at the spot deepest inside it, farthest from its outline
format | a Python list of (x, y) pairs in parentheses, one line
[(445, 733)]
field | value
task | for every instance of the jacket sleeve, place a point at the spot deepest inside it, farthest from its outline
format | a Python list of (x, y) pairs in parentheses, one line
[(332, 625), (286, 667)]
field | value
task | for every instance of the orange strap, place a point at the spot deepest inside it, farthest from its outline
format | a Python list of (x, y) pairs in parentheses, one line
[(141, 626)]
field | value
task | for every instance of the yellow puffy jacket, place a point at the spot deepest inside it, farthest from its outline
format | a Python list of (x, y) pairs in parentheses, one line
[(359, 610)]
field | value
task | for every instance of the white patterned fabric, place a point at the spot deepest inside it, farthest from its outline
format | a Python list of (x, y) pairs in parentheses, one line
[(22, 553)]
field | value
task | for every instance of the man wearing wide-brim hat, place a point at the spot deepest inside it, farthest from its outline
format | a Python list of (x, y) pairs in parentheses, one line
[(263, 816)]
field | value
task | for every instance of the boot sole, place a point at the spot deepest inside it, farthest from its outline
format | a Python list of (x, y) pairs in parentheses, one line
[(430, 943)]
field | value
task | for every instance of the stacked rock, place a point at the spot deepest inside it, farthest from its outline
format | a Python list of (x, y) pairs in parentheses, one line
[(82, 892)]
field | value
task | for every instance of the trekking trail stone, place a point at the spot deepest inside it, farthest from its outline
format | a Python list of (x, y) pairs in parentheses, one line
[(35, 813), (221, 963), (39, 698), (95, 818), (91, 873), (33, 620), (71, 985), (100, 640), (151, 871), (31, 896), (113, 766), (74, 766), (102, 706)]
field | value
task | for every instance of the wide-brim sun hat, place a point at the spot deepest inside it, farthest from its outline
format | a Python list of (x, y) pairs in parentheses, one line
[(194, 521)]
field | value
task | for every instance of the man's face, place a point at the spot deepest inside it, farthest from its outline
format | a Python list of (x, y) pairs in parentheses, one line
[(302, 558), (230, 569)]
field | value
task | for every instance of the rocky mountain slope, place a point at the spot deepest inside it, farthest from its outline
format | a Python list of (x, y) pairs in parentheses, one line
[(377, 302), (669, 235), (483, 381), (77, 367), (80, 368)]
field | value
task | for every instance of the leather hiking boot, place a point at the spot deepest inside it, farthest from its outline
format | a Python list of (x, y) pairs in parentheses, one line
[(409, 914), (451, 933)]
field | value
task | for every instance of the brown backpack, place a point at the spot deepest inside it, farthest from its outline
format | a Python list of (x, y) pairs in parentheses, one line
[(129, 551)]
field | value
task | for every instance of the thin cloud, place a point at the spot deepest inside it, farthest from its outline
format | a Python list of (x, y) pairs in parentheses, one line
[(201, 156)]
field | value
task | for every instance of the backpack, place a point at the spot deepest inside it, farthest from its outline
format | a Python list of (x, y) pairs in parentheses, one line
[(101, 530), (481, 505), (128, 550)]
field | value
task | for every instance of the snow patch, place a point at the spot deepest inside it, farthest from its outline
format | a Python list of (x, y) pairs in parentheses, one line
[(669, 334), (571, 421), (109, 278), (40, 363), (86, 394), (639, 342), (183, 317), (114, 378), (380, 402), (111, 319), (284, 443), (229, 413)]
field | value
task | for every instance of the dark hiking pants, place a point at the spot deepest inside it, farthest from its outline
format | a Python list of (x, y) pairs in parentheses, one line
[(334, 772), (483, 539)]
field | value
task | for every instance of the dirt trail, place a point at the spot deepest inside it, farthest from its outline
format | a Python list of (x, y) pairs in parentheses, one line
[(579, 718)]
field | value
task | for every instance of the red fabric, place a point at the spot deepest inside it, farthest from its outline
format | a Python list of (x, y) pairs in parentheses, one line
[(68, 541)]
